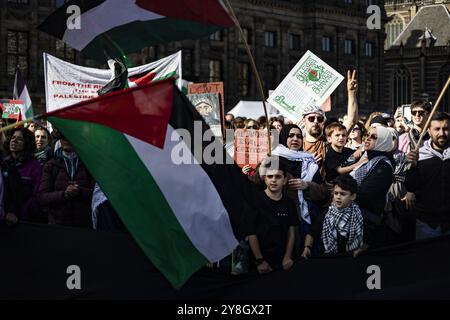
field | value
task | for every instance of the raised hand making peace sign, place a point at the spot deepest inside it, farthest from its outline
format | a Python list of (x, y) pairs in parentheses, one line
[(352, 81)]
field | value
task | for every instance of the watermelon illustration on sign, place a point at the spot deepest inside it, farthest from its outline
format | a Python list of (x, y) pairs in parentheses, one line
[(314, 75)]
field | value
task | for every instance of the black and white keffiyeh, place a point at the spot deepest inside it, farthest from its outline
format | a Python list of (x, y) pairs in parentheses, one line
[(98, 197), (309, 169), (427, 152), (348, 222), (361, 172)]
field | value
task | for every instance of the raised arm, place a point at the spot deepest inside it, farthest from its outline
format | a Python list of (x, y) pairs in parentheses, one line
[(352, 108)]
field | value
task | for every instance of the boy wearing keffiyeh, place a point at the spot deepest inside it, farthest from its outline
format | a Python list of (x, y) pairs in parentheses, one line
[(341, 228)]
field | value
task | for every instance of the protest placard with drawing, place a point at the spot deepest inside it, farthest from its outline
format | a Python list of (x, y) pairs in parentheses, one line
[(309, 83)]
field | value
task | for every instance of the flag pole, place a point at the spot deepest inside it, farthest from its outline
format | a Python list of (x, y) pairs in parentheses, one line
[(255, 70), (16, 124), (118, 48), (425, 128), (438, 102)]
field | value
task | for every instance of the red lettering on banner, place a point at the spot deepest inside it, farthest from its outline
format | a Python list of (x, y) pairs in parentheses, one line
[(250, 147)]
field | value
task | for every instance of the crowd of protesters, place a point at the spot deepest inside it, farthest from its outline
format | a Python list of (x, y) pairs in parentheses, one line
[(341, 186), (356, 183)]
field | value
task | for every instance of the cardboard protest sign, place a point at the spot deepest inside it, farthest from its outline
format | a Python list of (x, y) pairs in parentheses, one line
[(250, 147), (11, 108), (208, 105), (308, 84), (207, 87)]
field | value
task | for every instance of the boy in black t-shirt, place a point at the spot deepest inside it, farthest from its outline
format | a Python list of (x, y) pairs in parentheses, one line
[(339, 159), (272, 234)]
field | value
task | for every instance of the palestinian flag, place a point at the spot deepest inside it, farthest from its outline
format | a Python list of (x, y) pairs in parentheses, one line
[(125, 26), (132, 141), (21, 93)]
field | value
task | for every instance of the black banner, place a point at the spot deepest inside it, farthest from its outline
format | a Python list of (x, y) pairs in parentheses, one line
[(44, 262)]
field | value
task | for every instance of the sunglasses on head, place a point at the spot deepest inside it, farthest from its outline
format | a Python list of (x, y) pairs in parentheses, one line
[(356, 129), (320, 119), (418, 112), (252, 127), (298, 135)]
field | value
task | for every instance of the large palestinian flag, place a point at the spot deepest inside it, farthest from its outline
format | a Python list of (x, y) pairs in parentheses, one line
[(126, 26), (134, 143)]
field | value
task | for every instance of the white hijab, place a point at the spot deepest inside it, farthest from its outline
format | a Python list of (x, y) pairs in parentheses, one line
[(385, 139)]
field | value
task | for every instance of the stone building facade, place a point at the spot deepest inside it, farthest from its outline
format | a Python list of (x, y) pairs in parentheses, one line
[(417, 63), (279, 33)]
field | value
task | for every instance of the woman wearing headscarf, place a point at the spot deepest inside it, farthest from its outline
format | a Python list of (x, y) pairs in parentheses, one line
[(374, 179), (305, 184)]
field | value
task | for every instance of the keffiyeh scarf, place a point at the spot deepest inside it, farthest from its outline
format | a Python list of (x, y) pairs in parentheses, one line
[(427, 152), (98, 197), (309, 169), (361, 172), (348, 222)]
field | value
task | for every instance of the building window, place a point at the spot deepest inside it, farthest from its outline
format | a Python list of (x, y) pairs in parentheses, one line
[(326, 44), (348, 46), (187, 63), (270, 39), (64, 52), (215, 71), (368, 50), (401, 87), (216, 36), (270, 77), (370, 92), (393, 30), (294, 41), (247, 35), (244, 80), (17, 52), (60, 3), (151, 54)]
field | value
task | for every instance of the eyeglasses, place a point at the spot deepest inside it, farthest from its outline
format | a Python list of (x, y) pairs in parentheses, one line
[(320, 119), (252, 127), (418, 113), (372, 136), (298, 135)]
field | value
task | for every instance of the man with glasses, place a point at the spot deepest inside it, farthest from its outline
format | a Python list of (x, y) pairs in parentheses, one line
[(314, 122), (420, 110)]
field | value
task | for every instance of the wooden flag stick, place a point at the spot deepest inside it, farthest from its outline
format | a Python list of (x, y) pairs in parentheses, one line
[(255, 71), (436, 105)]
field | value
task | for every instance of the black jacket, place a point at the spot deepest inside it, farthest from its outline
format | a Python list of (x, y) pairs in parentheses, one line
[(372, 191), (430, 182)]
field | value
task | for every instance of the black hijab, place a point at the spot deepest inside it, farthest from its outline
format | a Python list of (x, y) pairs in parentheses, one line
[(293, 167), (284, 133)]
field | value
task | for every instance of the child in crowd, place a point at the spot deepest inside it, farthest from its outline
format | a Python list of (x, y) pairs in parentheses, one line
[(341, 228), (339, 159), (272, 233)]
